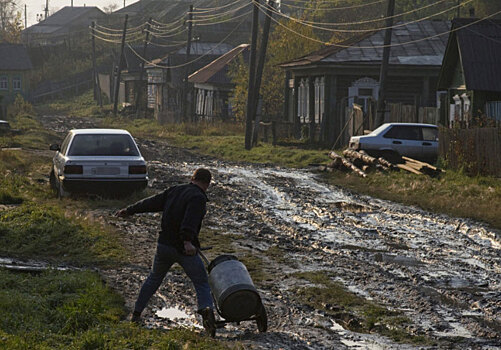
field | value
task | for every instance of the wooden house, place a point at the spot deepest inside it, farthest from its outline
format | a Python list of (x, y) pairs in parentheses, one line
[(166, 79), (64, 25), (213, 87), (471, 72), (15, 70), (322, 85)]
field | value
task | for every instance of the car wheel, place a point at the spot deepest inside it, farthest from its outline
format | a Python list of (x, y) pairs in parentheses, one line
[(60, 192), (52, 180), (391, 156)]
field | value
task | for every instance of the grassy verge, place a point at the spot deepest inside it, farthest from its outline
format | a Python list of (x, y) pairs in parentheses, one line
[(74, 310), (354, 312)]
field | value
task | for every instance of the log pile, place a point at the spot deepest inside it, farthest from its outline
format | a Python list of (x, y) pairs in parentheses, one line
[(361, 163)]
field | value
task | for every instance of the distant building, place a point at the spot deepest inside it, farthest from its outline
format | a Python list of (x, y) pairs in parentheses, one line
[(15, 70), (322, 85), (65, 24), (471, 71), (213, 87), (166, 79)]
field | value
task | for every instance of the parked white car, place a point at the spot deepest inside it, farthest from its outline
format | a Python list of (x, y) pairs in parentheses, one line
[(98, 161), (392, 140)]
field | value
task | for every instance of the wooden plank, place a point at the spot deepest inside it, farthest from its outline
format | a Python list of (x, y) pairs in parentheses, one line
[(409, 169)]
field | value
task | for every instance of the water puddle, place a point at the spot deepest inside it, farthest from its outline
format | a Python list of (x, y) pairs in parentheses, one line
[(172, 313)]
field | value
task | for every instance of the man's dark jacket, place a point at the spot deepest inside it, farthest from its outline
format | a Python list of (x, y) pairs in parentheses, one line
[(183, 206)]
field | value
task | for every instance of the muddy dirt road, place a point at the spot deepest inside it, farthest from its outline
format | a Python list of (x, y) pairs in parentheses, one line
[(442, 273)]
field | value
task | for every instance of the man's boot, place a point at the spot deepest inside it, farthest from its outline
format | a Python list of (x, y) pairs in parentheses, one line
[(136, 317), (208, 321)]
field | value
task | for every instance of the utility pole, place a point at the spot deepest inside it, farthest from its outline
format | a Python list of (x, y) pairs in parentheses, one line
[(25, 17), (71, 3), (459, 9), (184, 103), (140, 89), (252, 74), (381, 102), (260, 66), (46, 9), (97, 86), (117, 83)]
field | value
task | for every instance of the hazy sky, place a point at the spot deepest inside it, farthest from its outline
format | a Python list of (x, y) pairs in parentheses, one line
[(37, 6)]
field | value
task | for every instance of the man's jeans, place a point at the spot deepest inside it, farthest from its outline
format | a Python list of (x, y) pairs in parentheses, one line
[(165, 257)]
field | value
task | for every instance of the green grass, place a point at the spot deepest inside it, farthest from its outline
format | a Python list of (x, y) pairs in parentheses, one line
[(79, 106), (42, 231), (354, 312), (75, 310)]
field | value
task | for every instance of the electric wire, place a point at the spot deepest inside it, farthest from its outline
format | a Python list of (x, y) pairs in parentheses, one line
[(337, 30), (166, 45), (336, 8), (224, 21), (377, 19), (167, 25), (158, 31), (377, 46), (211, 9), (167, 35), (192, 61), (203, 18)]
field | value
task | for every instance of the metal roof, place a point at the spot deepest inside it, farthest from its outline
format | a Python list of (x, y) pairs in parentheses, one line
[(480, 48), (216, 71), (201, 48), (14, 57), (422, 43), (65, 17)]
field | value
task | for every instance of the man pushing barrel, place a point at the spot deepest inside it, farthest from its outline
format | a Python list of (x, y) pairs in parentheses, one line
[(183, 207)]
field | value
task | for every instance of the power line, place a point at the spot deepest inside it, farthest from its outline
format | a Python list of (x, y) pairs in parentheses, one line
[(378, 19), (334, 8), (218, 15), (192, 61), (211, 9), (336, 30), (224, 21), (380, 46)]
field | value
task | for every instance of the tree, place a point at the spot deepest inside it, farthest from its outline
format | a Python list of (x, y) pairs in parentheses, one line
[(110, 8), (11, 24), (284, 45)]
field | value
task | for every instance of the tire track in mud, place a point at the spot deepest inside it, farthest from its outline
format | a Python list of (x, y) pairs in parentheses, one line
[(441, 272)]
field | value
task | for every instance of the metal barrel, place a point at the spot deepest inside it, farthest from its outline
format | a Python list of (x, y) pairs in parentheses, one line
[(234, 293)]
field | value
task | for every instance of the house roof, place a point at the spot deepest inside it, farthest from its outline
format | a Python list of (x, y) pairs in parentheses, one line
[(216, 71), (65, 17), (14, 57), (421, 43), (479, 47)]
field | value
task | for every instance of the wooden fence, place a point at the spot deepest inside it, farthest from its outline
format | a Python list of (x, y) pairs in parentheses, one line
[(477, 151)]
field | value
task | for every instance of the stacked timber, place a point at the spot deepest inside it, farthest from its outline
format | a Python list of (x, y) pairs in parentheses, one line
[(361, 163)]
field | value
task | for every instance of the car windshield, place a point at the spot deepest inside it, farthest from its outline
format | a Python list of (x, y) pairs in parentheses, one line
[(103, 145)]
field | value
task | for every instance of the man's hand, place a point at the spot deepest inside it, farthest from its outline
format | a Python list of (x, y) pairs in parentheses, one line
[(189, 248), (122, 213)]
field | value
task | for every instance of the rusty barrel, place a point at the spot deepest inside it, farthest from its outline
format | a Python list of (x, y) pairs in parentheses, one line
[(234, 293)]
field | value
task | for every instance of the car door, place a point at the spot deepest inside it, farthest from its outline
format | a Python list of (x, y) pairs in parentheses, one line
[(429, 149), (405, 139), (59, 157)]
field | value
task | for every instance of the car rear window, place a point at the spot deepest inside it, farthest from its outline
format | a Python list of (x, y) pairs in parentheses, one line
[(103, 145)]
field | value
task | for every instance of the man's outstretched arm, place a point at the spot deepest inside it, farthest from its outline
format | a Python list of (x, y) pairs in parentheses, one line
[(151, 204)]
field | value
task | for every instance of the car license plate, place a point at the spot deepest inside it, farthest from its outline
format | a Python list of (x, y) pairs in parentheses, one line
[(106, 171)]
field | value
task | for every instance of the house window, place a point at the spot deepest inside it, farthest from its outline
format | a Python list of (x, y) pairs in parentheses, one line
[(16, 83), (303, 101), (4, 82), (493, 110)]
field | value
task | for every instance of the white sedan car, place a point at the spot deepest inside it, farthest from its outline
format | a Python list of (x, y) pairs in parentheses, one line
[(98, 161), (392, 140)]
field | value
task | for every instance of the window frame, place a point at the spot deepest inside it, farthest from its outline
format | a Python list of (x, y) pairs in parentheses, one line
[(15, 80), (4, 78)]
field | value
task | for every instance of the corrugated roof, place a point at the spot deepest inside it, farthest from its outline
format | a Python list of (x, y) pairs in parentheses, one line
[(14, 57), (480, 48), (201, 48), (65, 17), (411, 47), (209, 73)]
